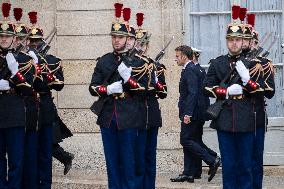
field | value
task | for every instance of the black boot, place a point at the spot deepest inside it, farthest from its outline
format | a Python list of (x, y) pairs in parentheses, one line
[(213, 168), (63, 157)]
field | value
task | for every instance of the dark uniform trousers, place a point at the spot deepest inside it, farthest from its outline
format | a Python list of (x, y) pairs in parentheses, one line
[(31, 144), (145, 157), (258, 148), (119, 154), (30, 160), (45, 156), (12, 142), (194, 148), (146, 145), (236, 154), (45, 142)]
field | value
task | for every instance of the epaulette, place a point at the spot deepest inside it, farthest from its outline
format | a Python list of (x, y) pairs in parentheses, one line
[(105, 55), (54, 63), (212, 60), (256, 60), (142, 57), (51, 59)]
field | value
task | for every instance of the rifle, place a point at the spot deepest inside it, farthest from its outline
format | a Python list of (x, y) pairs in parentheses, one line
[(41, 46), (44, 48), (266, 52), (138, 47), (260, 48), (22, 45), (162, 52), (256, 52)]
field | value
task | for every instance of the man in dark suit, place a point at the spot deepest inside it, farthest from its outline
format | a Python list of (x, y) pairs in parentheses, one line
[(192, 107)]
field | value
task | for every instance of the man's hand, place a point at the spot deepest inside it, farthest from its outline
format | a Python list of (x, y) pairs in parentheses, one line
[(4, 85), (33, 55), (124, 71), (115, 87), (243, 72), (235, 89), (186, 119), (12, 64)]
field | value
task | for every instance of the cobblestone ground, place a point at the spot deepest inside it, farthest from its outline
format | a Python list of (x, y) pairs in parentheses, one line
[(274, 179)]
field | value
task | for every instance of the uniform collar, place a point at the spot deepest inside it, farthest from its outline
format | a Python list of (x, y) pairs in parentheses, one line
[(234, 56)]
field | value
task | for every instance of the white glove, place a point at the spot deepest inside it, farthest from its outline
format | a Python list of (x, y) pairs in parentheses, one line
[(12, 64), (33, 55), (4, 85), (115, 87), (235, 89), (243, 72), (124, 71)]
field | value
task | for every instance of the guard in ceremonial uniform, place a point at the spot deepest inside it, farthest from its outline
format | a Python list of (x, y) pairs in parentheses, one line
[(51, 78), (29, 68), (228, 80), (151, 74), (122, 109), (192, 107), (262, 72), (13, 87)]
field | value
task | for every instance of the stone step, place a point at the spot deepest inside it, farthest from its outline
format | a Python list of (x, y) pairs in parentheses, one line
[(89, 179)]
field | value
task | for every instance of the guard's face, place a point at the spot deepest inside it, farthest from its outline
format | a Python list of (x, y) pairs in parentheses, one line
[(234, 45), (35, 43), (145, 48), (6, 41), (18, 40), (246, 44), (180, 58), (130, 42), (118, 42)]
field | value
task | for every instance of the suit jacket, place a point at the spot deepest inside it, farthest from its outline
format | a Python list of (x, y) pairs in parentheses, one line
[(192, 102)]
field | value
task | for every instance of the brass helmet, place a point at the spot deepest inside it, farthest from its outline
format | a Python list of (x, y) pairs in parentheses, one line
[(36, 31), (6, 26), (118, 27), (140, 32), (21, 28), (234, 29)]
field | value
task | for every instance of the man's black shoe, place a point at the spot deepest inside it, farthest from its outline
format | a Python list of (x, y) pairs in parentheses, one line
[(68, 163), (213, 169), (217, 158), (183, 178)]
